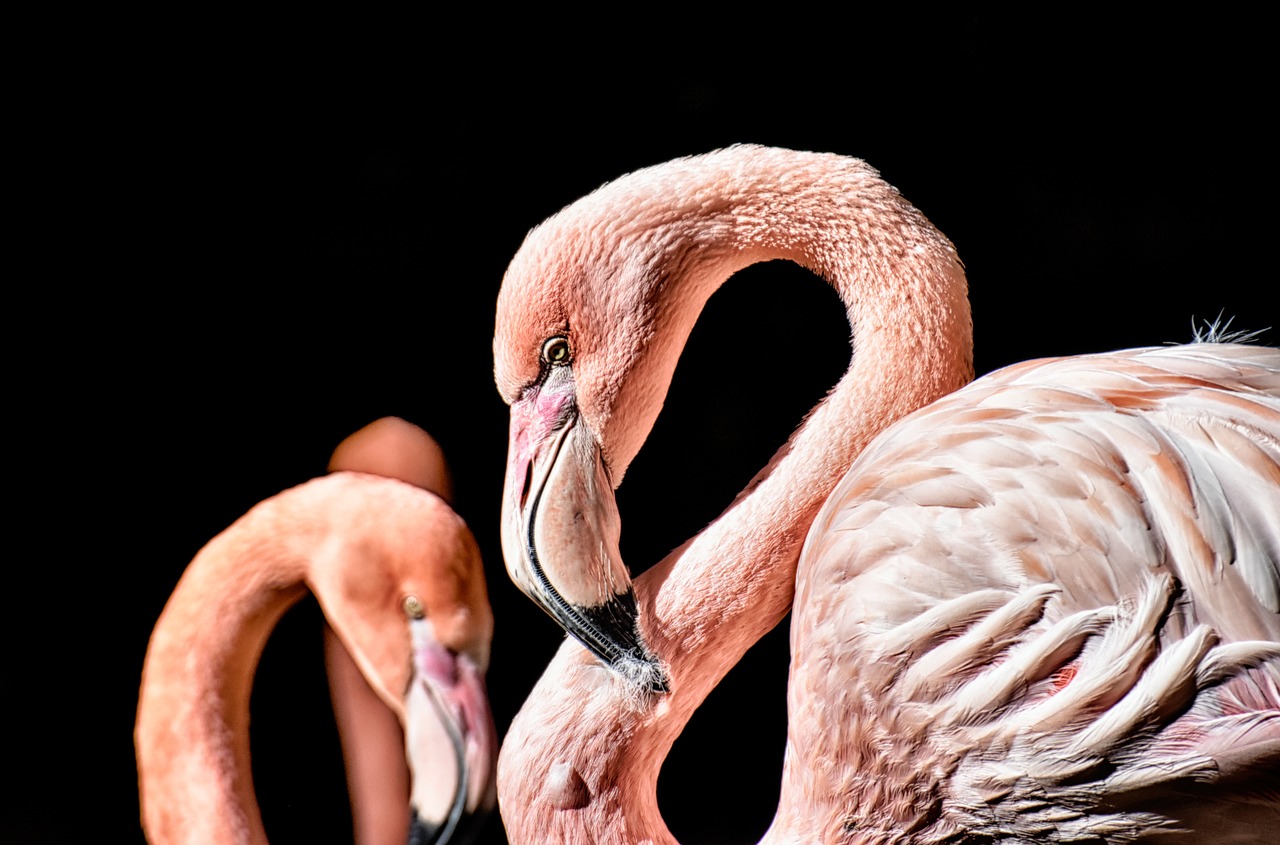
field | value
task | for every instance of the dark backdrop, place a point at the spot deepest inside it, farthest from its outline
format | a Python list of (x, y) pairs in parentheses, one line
[(255, 242)]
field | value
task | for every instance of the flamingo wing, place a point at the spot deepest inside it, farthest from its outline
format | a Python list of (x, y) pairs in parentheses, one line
[(1117, 513)]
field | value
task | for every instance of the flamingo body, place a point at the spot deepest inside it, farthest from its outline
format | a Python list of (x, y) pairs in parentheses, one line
[(1041, 607), (1074, 493)]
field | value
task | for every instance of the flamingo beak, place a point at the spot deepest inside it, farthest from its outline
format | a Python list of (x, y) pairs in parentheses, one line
[(448, 718), (560, 530)]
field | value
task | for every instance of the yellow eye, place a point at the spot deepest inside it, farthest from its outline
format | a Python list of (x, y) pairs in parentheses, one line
[(556, 352), (413, 607)]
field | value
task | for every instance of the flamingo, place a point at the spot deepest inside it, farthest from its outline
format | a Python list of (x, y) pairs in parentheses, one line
[(1040, 606), (372, 740), (399, 578)]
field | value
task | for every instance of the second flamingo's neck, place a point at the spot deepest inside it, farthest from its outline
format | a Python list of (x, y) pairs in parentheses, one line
[(194, 742)]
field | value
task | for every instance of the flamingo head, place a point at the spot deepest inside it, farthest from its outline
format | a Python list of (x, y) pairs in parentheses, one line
[(594, 310), (419, 626)]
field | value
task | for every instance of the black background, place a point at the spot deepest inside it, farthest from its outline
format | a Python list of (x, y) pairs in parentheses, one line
[(244, 240)]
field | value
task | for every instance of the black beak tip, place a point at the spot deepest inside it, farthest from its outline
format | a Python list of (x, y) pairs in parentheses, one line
[(610, 632), (465, 831)]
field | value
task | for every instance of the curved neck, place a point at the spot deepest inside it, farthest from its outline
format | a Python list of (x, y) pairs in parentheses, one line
[(192, 734), (906, 297), (586, 754)]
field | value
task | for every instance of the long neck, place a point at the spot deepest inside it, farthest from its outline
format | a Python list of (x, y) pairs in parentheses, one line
[(590, 754), (192, 734), (906, 298)]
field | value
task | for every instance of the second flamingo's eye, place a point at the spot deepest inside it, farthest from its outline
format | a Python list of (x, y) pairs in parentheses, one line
[(556, 352), (413, 607)]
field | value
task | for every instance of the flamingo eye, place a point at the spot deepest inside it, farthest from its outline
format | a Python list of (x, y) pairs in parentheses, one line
[(413, 607), (555, 352)]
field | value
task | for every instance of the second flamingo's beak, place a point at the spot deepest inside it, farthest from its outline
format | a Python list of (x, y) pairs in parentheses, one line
[(560, 530), (448, 719)]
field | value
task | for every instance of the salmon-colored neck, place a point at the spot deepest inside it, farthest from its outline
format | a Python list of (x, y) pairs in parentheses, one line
[(193, 745)]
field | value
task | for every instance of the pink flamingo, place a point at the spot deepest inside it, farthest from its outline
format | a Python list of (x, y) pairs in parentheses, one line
[(1041, 607), (399, 578)]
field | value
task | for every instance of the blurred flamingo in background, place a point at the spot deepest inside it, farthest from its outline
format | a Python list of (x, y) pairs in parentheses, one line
[(399, 578), (1045, 607), (372, 739)]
